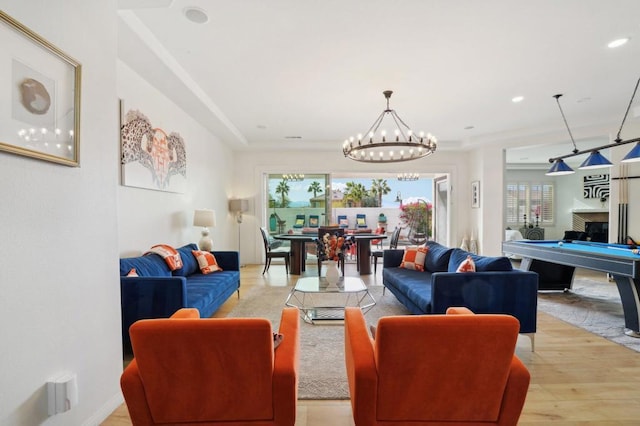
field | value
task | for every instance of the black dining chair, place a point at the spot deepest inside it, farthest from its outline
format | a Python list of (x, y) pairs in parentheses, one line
[(393, 244), (271, 252)]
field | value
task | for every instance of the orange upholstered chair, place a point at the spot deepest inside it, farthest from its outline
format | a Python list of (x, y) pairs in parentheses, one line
[(214, 371), (452, 369)]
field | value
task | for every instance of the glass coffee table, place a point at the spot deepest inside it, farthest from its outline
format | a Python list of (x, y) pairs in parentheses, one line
[(320, 301)]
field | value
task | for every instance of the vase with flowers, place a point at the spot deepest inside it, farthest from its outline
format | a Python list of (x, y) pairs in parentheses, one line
[(331, 248)]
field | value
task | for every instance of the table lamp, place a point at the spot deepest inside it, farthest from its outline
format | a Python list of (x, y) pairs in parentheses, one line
[(206, 219)]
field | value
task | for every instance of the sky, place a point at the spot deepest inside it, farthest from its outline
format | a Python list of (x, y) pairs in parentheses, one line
[(422, 188)]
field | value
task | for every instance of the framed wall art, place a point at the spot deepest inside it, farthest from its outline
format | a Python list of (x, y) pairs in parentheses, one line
[(475, 194), (596, 186), (39, 96), (151, 156)]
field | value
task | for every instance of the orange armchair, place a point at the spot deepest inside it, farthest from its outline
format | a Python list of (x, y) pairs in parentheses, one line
[(448, 370), (213, 371)]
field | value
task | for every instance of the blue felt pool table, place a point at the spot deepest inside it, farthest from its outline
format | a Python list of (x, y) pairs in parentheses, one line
[(555, 263)]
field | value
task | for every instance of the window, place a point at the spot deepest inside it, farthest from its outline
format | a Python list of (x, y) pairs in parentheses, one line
[(530, 202)]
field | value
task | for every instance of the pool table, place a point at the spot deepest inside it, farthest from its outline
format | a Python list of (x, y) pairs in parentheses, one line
[(555, 263)]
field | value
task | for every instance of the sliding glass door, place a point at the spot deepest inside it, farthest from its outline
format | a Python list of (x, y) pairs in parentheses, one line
[(365, 202)]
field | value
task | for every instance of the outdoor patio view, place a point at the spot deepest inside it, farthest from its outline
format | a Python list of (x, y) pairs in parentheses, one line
[(300, 203)]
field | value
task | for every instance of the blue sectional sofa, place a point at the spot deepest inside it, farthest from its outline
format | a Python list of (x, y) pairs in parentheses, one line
[(157, 292), (495, 288)]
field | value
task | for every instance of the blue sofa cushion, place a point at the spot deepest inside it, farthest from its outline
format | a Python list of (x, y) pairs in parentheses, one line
[(203, 292), (189, 261), (437, 258), (412, 286), (150, 265), (483, 263)]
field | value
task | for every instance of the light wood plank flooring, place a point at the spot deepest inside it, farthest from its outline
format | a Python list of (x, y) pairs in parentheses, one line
[(577, 378)]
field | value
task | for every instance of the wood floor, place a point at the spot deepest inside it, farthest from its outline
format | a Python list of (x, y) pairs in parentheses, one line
[(577, 378)]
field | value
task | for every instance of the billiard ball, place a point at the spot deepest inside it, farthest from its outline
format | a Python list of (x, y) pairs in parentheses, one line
[(560, 243), (634, 251)]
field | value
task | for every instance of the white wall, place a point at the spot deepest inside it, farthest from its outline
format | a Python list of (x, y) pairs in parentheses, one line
[(250, 168), (147, 217), (60, 304)]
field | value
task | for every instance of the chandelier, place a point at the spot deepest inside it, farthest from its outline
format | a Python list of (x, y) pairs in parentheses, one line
[(377, 147), (408, 177), (293, 177)]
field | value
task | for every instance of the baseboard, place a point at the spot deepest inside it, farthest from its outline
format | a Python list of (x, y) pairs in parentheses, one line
[(105, 411)]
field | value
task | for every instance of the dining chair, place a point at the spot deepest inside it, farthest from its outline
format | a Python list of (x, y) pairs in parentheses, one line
[(343, 221), (393, 244), (361, 220), (271, 252)]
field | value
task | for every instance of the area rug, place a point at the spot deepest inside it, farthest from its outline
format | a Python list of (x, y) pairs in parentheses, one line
[(322, 370), (592, 305)]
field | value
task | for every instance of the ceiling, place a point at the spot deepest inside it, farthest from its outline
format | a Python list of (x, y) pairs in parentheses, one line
[(297, 74)]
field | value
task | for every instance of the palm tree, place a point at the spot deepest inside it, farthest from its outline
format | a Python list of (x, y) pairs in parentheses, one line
[(283, 189), (316, 188), (355, 192), (379, 187)]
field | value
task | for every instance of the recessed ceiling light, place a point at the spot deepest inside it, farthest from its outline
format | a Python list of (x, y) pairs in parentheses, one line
[(617, 43), (196, 15), (517, 99)]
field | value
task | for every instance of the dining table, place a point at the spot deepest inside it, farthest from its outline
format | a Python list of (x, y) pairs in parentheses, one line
[(363, 250), (298, 249)]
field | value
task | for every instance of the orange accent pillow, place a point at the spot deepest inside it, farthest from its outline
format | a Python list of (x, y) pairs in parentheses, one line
[(132, 273), (467, 265), (169, 254), (207, 261), (414, 258)]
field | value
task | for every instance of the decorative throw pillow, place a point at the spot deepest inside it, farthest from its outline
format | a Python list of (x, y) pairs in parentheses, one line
[(132, 273), (467, 265), (169, 254), (313, 221), (207, 261), (360, 221), (299, 222), (344, 222), (414, 258)]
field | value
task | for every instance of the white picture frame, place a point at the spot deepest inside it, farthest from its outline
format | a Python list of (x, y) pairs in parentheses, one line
[(475, 194)]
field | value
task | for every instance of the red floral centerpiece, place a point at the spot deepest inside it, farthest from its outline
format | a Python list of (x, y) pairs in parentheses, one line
[(330, 247)]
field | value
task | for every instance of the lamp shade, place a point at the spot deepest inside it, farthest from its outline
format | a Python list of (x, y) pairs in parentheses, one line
[(204, 218), (559, 168), (595, 160), (633, 155), (238, 205)]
